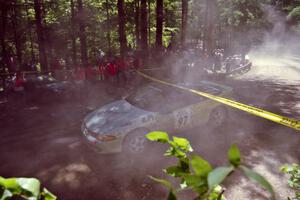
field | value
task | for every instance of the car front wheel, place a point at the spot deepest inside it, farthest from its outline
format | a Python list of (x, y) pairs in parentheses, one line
[(136, 143)]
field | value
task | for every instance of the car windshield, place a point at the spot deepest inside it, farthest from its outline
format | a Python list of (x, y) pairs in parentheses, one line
[(162, 99)]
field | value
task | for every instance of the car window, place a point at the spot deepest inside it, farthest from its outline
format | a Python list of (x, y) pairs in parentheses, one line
[(162, 99), (148, 98)]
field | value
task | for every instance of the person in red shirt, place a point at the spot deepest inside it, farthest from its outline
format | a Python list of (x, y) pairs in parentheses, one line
[(19, 83), (101, 71), (79, 75), (112, 71)]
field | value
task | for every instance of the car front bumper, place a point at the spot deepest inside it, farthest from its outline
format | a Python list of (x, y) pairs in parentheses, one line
[(114, 146)]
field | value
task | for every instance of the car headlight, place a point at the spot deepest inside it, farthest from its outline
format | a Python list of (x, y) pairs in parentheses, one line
[(247, 57), (106, 138), (102, 138)]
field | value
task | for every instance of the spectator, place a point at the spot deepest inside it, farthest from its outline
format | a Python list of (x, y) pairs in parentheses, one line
[(101, 72), (90, 73), (56, 66), (112, 71), (122, 68), (19, 83), (80, 77)]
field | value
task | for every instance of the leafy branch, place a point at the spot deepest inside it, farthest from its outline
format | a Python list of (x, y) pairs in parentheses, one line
[(196, 173), (294, 179), (27, 188)]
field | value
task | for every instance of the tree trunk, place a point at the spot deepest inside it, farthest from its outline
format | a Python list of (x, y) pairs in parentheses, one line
[(137, 23), (209, 28), (184, 16), (3, 33), (159, 23), (29, 32), (17, 36), (108, 29), (149, 22), (122, 34), (144, 27), (82, 36), (73, 34), (40, 35)]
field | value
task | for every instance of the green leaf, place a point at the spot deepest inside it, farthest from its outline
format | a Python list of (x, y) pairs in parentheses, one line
[(175, 171), (258, 178), (162, 181), (2, 181), (11, 184), (30, 184), (170, 152), (198, 183), (158, 136), (6, 195), (184, 163), (183, 144), (285, 169), (175, 151), (216, 176), (200, 166), (48, 195), (234, 155), (193, 180)]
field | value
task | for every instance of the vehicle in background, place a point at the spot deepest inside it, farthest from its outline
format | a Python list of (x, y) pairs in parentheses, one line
[(42, 88), (231, 65)]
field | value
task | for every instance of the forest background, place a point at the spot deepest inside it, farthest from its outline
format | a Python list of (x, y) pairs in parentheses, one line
[(77, 31)]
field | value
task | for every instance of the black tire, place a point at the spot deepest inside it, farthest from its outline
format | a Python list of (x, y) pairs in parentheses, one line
[(135, 143), (218, 117)]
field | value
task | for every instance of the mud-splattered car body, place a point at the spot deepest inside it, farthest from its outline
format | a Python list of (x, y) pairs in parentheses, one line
[(153, 107)]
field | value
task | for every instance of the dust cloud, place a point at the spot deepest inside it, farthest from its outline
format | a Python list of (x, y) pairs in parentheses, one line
[(277, 57)]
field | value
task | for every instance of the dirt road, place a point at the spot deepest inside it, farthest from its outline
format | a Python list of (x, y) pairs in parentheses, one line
[(44, 141)]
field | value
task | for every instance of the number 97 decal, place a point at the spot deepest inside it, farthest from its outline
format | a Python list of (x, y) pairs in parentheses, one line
[(182, 118)]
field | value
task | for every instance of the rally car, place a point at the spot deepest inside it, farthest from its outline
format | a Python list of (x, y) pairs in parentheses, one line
[(45, 87), (227, 66), (121, 125)]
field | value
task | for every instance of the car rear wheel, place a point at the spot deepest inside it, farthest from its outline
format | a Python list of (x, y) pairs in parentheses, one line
[(218, 116)]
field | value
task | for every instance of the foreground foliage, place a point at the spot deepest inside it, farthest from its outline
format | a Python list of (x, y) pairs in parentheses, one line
[(27, 188), (196, 173), (294, 179)]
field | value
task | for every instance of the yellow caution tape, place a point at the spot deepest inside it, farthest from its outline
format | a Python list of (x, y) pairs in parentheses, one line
[(289, 122)]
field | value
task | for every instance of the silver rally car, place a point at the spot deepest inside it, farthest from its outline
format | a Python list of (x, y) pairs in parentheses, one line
[(121, 125)]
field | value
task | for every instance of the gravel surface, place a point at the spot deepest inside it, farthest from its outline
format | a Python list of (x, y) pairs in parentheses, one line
[(44, 141)]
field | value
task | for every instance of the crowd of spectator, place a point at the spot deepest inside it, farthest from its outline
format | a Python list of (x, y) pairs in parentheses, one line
[(115, 70)]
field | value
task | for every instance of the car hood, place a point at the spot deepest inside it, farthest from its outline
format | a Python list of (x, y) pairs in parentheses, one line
[(111, 117)]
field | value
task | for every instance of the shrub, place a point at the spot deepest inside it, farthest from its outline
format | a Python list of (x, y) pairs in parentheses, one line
[(294, 179), (196, 173), (27, 188)]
